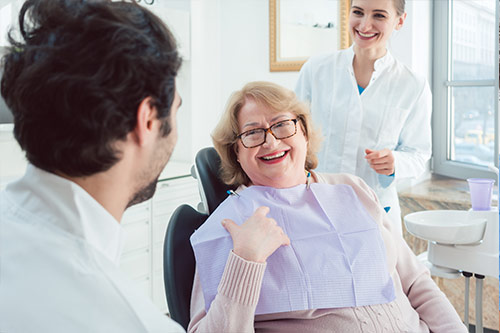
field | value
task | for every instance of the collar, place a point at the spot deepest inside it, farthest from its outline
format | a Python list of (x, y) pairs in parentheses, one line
[(384, 62), (380, 64), (51, 199)]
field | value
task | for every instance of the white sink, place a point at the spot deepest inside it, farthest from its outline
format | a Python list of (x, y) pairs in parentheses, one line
[(446, 226)]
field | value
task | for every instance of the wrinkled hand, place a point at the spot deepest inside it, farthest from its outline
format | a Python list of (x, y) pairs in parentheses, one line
[(382, 161), (258, 237)]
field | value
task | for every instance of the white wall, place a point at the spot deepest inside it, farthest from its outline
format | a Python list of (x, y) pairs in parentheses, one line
[(245, 46), (413, 43), (205, 80)]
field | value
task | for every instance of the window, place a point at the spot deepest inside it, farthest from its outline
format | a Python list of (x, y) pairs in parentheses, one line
[(9, 10), (465, 88)]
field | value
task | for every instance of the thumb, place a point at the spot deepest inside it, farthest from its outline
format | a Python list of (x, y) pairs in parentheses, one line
[(286, 240), (368, 151), (229, 225), (262, 211)]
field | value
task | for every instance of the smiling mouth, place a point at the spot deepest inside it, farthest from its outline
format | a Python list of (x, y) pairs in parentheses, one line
[(366, 35), (275, 156)]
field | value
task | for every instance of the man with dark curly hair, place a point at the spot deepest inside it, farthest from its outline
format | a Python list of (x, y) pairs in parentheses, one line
[(91, 85)]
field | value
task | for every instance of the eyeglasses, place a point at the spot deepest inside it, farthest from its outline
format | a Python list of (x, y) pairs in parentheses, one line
[(257, 136)]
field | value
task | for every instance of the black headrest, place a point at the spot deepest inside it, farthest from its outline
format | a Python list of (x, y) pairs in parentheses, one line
[(208, 166)]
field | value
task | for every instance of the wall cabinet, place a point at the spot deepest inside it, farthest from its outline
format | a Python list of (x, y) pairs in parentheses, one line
[(145, 226)]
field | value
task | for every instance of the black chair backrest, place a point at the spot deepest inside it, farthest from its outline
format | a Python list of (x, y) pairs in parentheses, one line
[(179, 262), (207, 163)]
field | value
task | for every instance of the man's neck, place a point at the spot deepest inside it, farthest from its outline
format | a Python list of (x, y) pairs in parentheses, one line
[(108, 188)]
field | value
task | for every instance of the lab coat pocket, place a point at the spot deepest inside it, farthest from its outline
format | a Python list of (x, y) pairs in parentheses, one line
[(390, 127)]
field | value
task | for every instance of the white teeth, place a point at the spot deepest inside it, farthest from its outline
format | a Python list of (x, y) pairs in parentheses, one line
[(366, 35), (271, 157)]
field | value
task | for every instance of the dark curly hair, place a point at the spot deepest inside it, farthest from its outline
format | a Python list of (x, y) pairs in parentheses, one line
[(76, 78)]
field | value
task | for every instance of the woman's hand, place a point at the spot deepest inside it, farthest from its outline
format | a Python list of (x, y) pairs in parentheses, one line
[(382, 161), (258, 237)]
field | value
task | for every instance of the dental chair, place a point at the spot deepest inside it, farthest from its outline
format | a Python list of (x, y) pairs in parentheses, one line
[(178, 256), (179, 263), (206, 169)]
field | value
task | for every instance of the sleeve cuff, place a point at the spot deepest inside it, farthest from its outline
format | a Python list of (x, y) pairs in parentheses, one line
[(242, 280)]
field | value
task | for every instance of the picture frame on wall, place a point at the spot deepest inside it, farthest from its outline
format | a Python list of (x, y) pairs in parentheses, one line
[(299, 29)]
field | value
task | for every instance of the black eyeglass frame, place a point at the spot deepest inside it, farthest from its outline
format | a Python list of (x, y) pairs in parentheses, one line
[(269, 130)]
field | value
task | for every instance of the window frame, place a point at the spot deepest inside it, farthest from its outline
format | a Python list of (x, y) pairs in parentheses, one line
[(442, 84)]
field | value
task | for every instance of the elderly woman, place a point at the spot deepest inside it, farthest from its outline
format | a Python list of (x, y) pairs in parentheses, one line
[(301, 251)]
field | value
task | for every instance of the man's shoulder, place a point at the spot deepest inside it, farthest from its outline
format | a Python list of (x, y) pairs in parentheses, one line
[(74, 285)]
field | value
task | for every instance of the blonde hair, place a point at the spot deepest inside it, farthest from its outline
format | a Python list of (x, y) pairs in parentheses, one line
[(399, 5), (277, 99)]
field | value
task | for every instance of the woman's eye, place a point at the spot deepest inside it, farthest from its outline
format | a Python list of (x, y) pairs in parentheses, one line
[(252, 132), (380, 16), (357, 12)]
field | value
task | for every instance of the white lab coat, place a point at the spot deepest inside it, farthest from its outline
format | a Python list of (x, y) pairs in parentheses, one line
[(393, 112), (59, 263)]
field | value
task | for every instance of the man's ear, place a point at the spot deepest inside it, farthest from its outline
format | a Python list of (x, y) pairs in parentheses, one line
[(144, 128)]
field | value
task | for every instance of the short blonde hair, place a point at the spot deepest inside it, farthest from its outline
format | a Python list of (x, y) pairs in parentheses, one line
[(277, 99)]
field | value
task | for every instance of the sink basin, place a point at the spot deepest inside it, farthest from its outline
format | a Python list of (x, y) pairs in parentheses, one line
[(446, 226)]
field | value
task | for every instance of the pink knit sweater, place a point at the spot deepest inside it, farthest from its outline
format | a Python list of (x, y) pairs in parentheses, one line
[(419, 306)]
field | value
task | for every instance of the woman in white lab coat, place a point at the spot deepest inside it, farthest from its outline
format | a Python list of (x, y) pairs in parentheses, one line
[(374, 112)]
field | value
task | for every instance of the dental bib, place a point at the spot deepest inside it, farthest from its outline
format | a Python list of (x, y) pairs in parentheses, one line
[(336, 257)]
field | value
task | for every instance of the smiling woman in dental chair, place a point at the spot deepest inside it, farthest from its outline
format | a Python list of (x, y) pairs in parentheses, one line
[(299, 251)]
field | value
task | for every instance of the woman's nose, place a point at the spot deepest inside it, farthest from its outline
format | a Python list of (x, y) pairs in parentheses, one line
[(270, 141), (365, 24)]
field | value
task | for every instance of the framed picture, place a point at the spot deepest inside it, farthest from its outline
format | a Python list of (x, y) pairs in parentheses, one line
[(299, 29)]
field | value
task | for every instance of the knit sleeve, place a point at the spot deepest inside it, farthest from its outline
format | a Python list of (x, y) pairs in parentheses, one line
[(233, 309), (424, 295)]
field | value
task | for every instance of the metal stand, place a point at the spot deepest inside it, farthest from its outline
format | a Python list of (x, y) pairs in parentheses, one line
[(479, 302), (467, 276)]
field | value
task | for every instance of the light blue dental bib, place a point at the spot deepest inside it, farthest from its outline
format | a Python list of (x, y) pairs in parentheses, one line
[(336, 258)]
